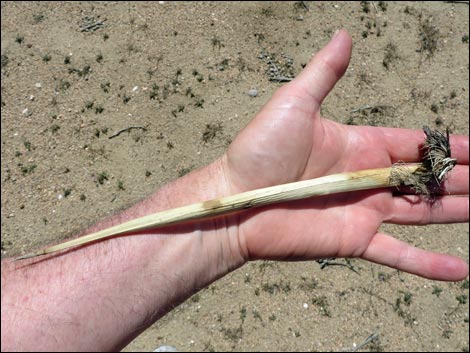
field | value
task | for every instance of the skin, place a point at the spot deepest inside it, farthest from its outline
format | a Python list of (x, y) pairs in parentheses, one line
[(101, 296)]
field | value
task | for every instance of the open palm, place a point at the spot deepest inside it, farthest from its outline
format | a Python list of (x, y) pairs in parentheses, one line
[(289, 141)]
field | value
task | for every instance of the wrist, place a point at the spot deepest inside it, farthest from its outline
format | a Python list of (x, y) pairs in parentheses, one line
[(140, 277)]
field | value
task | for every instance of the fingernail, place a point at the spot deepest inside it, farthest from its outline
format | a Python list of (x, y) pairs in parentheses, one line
[(336, 33)]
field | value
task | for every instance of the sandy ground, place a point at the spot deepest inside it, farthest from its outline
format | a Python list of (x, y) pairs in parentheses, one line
[(74, 74)]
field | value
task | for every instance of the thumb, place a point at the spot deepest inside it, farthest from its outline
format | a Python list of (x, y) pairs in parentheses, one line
[(325, 68)]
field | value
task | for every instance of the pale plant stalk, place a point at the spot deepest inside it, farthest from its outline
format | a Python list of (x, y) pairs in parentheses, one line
[(331, 184)]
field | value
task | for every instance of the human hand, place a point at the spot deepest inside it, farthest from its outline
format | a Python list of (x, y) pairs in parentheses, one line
[(289, 141)]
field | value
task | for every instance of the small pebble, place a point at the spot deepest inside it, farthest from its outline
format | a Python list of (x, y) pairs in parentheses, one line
[(253, 92), (166, 349), (38, 85)]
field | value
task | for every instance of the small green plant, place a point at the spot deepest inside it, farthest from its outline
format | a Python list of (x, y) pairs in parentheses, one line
[(183, 171), (46, 58), (55, 128), (465, 38), (67, 192), (391, 55), (89, 104), (81, 73), (150, 72), (267, 11), (189, 92), (216, 43), (365, 6), (63, 85), (19, 39), (67, 60), (126, 99), (407, 298), (148, 173), (308, 284), (5, 60), (247, 278), (434, 108), (223, 64), (154, 91), (429, 36), (436, 291), (102, 177), (257, 315), (397, 307), (196, 298), (99, 109), (199, 103), (233, 334), (462, 299), (82, 197), (211, 131), (105, 87), (165, 91), (243, 314), (38, 18), (28, 169), (105, 36), (99, 57), (446, 333), (383, 5), (27, 145), (273, 288), (322, 303), (121, 185)]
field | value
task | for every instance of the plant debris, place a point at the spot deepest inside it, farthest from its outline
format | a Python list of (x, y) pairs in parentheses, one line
[(437, 162)]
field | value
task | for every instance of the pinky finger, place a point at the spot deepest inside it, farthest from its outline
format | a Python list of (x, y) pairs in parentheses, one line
[(386, 250)]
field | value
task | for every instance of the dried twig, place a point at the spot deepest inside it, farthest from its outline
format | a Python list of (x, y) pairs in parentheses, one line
[(369, 339), (375, 7), (281, 79), (92, 26), (331, 262), (127, 129)]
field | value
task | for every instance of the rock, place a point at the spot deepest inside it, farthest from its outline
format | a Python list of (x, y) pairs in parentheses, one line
[(253, 92)]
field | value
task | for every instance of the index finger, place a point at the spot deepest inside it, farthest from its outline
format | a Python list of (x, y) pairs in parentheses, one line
[(405, 145)]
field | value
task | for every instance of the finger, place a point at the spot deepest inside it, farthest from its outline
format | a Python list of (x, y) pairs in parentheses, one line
[(325, 69), (456, 182), (414, 209), (406, 145), (386, 250)]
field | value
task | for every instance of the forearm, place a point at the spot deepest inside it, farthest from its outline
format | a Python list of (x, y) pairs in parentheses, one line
[(101, 296)]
